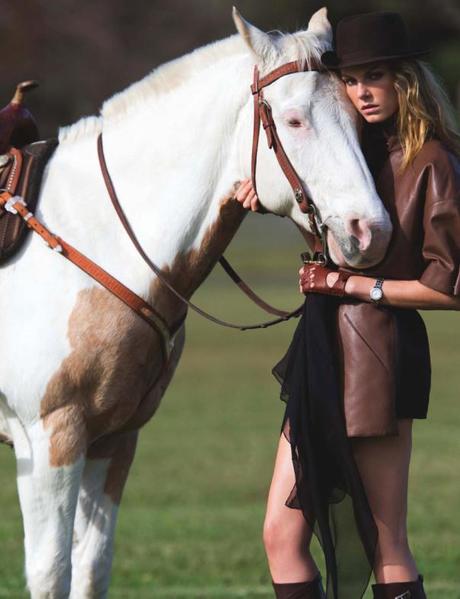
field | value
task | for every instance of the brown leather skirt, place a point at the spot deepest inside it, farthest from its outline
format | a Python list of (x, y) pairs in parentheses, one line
[(385, 370)]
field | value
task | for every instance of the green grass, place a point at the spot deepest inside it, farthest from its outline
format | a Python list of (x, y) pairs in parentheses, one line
[(191, 517)]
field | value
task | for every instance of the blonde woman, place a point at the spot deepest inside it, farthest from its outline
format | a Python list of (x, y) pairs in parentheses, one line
[(358, 369)]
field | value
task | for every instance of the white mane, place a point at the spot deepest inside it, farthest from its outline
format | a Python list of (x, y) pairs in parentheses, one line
[(85, 127), (302, 46)]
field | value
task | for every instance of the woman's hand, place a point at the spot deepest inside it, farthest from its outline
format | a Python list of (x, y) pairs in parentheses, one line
[(315, 278), (247, 196)]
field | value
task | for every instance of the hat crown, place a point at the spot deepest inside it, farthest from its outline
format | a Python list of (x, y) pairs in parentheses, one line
[(381, 33), (374, 33), (369, 37)]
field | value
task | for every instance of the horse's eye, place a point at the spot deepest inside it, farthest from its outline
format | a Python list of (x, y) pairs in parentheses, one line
[(294, 123)]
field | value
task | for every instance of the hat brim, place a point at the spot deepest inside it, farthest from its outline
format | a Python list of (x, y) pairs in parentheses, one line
[(332, 62)]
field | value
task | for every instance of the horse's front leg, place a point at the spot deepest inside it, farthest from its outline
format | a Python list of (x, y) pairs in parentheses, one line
[(48, 477), (103, 480)]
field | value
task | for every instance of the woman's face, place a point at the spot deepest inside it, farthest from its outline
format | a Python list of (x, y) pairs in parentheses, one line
[(371, 89)]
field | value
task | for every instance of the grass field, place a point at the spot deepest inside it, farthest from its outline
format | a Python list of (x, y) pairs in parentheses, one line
[(191, 517)]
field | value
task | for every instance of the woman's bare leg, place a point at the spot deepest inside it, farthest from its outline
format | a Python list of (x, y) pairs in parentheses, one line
[(384, 467), (286, 533)]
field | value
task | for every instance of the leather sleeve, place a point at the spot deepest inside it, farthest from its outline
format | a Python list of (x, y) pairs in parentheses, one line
[(441, 245)]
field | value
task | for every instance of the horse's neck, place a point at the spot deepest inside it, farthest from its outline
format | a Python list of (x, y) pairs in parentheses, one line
[(190, 268), (174, 164)]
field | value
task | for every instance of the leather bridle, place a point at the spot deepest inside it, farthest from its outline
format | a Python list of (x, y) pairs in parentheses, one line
[(282, 315), (263, 114)]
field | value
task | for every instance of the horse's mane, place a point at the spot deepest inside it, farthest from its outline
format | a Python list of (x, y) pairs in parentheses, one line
[(171, 75), (301, 46)]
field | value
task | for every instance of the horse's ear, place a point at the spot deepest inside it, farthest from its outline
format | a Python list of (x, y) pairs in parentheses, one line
[(257, 41), (319, 25)]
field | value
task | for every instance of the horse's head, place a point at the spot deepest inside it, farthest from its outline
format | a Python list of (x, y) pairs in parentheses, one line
[(317, 126)]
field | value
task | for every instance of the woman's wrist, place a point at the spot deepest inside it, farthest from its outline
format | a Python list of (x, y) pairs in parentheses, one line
[(359, 287)]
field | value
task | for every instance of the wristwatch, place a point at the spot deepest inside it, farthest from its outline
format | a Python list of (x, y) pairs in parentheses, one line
[(376, 292)]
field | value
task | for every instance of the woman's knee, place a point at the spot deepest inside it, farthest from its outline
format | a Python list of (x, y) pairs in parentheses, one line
[(273, 534), (285, 532)]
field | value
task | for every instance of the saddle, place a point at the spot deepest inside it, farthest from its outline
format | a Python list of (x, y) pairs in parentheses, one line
[(22, 162)]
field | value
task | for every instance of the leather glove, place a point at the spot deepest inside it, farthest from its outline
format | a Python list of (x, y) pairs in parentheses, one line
[(313, 279)]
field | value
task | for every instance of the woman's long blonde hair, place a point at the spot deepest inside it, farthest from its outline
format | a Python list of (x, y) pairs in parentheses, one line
[(424, 110)]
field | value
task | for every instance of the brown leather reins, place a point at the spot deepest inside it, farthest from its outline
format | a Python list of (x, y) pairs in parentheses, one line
[(157, 270), (262, 113)]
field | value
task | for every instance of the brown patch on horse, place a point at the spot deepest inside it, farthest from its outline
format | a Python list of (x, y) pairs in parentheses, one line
[(149, 405), (119, 467), (119, 448), (69, 435), (101, 386), (101, 383), (191, 268)]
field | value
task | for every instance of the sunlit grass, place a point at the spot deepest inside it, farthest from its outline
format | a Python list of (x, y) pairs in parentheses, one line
[(191, 518)]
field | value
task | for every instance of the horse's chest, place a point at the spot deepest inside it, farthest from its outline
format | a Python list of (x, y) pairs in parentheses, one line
[(114, 358)]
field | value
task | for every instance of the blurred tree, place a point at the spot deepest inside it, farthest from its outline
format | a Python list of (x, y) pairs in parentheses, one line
[(83, 51)]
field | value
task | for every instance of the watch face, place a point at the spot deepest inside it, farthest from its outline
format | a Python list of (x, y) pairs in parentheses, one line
[(376, 294)]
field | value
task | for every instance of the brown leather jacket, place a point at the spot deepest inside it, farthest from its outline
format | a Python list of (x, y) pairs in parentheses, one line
[(424, 205)]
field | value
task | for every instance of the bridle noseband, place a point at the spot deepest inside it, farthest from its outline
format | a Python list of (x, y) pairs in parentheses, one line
[(263, 114)]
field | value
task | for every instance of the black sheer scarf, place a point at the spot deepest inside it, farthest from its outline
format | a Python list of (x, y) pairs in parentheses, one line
[(328, 489)]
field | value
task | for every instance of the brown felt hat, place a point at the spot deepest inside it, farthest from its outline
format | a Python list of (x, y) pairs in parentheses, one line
[(369, 37)]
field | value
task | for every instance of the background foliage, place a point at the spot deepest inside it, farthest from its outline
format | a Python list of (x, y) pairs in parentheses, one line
[(82, 51)]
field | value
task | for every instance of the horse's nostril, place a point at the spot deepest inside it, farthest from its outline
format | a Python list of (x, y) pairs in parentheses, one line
[(360, 229)]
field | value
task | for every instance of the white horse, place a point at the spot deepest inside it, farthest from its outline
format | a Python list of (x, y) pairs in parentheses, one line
[(75, 362)]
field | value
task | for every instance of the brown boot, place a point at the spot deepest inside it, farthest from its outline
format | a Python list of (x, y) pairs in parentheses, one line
[(400, 590), (300, 590)]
